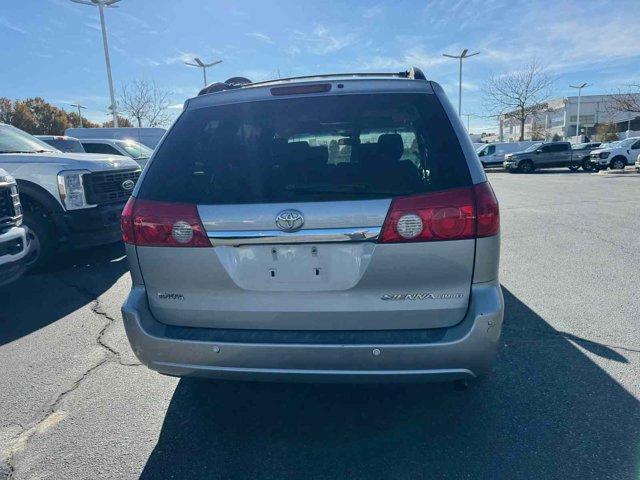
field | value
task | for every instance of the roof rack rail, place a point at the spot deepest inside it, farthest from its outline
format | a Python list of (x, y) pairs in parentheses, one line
[(414, 73)]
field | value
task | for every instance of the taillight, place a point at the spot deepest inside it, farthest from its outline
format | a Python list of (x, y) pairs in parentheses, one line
[(454, 214), (159, 224), (126, 222), (487, 210)]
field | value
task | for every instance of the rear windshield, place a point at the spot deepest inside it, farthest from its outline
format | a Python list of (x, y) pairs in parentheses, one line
[(336, 147), (71, 146)]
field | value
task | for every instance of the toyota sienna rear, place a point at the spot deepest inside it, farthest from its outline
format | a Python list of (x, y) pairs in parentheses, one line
[(329, 228)]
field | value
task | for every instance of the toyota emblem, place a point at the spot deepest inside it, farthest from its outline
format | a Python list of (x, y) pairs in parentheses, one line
[(289, 220)]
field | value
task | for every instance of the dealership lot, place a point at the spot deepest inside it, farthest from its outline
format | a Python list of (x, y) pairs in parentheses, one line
[(563, 400)]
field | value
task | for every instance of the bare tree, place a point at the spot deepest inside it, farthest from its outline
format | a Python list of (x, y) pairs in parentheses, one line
[(608, 132), (626, 102), (519, 94), (145, 103), (538, 131)]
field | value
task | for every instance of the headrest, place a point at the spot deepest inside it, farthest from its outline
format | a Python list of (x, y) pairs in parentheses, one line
[(391, 146), (319, 154)]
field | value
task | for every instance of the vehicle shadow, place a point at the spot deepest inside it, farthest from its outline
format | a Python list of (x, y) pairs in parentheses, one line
[(39, 299), (547, 411)]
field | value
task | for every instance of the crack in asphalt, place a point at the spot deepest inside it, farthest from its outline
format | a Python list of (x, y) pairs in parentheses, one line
[(98, 310), (53, 414)]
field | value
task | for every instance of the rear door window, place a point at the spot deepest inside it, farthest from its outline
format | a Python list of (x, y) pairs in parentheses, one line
[(71, 146), (560, 147), (323, 148), (90, 147)]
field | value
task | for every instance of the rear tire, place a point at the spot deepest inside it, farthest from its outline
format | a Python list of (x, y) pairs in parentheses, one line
[(41, 239), (526, 166), (617, 163)]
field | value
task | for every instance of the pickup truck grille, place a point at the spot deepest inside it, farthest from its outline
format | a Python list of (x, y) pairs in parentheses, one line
[(10, 209), (107, 187)]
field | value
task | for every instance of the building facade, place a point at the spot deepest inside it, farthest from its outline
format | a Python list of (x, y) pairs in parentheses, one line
[(560, 117)]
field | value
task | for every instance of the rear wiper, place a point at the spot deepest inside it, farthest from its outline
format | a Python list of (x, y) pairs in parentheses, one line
[(17, 151)]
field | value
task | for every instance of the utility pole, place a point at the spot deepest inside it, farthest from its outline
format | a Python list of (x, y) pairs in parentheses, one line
[(579, 87), (79, 107), (460, 57), (200, 64), (101, 4)]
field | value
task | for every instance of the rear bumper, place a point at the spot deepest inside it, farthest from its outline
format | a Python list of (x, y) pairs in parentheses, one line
[(463, 351), (90, 227)]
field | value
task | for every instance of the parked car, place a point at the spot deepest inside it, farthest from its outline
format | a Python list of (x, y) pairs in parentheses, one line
[(62, 143), (138, 152), (144, 135), (68, 199), (584, 150), (14, 246), (492, 154), (264, 257), (546, 155), (616, 155)]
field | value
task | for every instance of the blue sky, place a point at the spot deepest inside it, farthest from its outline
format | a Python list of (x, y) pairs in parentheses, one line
[(52, 48)]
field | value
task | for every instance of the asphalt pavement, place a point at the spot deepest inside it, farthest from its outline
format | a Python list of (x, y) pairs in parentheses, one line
[(562, 401)]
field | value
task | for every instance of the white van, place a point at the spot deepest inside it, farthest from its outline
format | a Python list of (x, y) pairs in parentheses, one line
[(492, 154), (146, 136)]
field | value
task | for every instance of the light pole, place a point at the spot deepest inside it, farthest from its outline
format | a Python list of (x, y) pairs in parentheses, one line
[(460, 57), (101, 4), (200, 64), (467, 115), (579, 87), (78, 106)]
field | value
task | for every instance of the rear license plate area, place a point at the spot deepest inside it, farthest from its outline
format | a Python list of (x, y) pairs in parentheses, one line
[(295, 263)]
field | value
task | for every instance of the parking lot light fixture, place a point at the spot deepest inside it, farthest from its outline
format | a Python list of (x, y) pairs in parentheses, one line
[(200, 64), (79, 107), (579, 87), (460, 57), (101, 4)]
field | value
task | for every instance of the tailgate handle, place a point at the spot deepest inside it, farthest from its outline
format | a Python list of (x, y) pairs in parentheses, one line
[(265, 237)]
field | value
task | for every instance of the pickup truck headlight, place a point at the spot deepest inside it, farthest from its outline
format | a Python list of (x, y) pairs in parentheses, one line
[(604, 154), (71, 189)]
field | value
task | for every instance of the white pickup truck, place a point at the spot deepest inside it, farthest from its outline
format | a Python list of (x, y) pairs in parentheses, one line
[(69, 200), (14, 246), (616, 155)]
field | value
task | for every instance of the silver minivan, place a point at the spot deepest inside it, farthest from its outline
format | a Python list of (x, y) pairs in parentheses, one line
[(330, 228)]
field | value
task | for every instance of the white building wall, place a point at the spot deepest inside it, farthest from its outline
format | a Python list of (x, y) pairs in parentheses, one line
[(562, 117)]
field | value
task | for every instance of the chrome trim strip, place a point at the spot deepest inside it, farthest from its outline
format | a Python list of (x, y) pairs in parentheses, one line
[(324, 235)]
